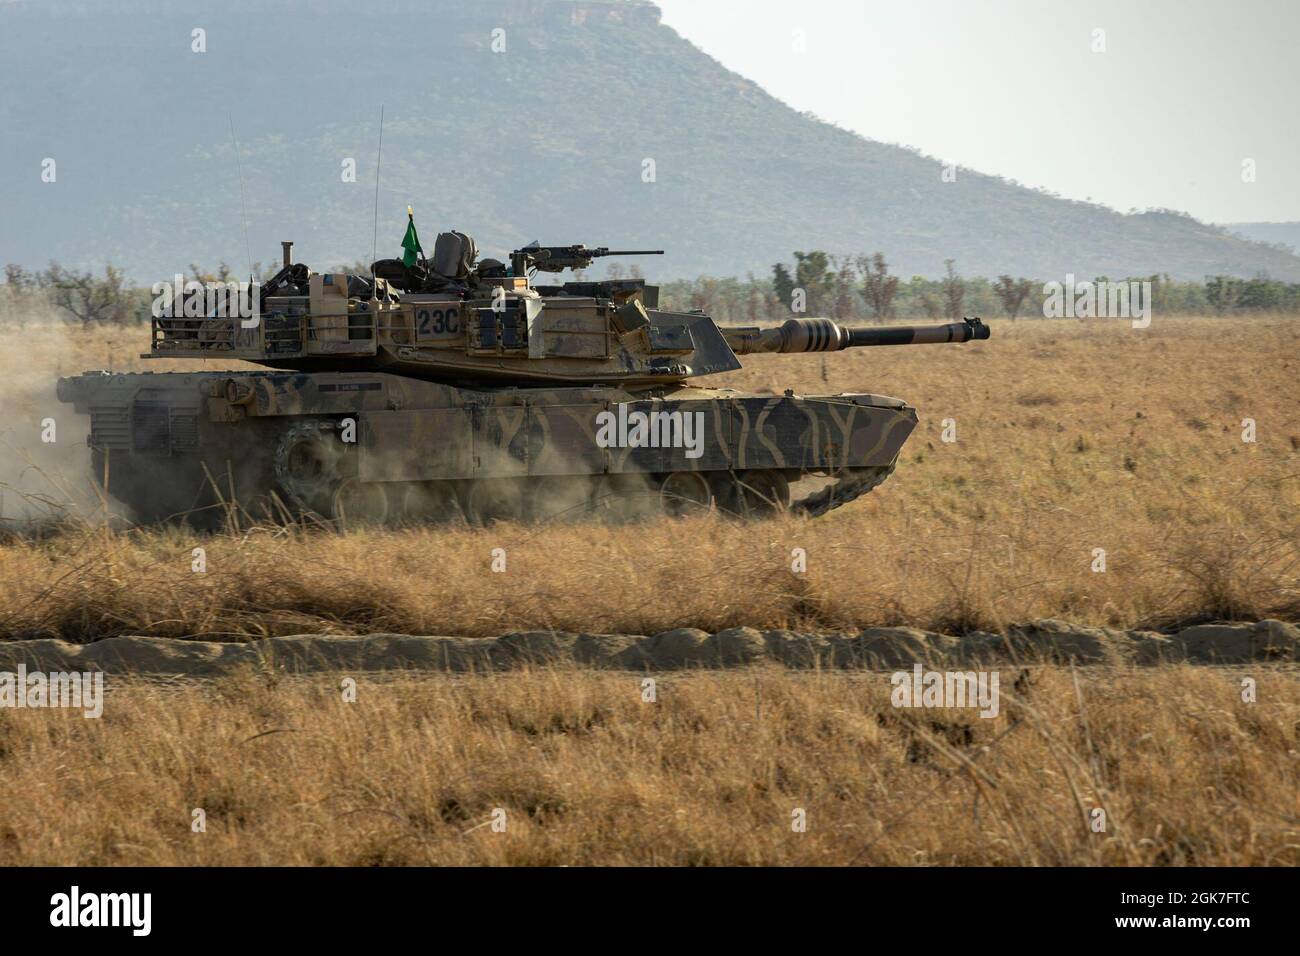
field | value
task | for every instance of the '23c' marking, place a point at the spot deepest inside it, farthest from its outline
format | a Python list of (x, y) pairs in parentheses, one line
[(438, 321)]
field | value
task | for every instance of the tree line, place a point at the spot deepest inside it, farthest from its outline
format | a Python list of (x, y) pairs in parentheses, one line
[(862, 287), (846, 288)]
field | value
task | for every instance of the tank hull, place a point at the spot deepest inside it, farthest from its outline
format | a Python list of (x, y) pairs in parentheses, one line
[(193, 445)]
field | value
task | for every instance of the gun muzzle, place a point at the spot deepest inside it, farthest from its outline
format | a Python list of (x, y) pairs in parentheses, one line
[(962, 331)]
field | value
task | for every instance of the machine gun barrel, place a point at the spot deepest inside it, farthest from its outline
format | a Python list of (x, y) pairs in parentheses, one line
[(559, 258), (824, 335)]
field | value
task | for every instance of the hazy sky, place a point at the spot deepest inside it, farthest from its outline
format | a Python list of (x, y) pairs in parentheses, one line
[(1184, 92)]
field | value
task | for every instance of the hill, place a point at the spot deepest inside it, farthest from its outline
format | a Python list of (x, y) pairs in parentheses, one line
[(548, 139), (1277, 233)]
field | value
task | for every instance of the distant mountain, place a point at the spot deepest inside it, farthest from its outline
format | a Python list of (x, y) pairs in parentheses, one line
[(550, 139), (1276, 233)]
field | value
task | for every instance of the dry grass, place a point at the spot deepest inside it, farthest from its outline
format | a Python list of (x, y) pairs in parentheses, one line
[(1071, 437), (710, 773)]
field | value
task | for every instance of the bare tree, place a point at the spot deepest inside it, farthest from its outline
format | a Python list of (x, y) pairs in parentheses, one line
[(954, 290), (86, 298), (20, 288), (878, 286), (845, 281), (1012, 293), (18, 279), (223, 272)]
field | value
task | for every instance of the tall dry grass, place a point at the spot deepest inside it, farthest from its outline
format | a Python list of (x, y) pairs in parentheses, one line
[(1071, 437), (712, 772)]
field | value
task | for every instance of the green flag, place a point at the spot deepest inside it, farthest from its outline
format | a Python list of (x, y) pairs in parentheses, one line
[(411, 241)]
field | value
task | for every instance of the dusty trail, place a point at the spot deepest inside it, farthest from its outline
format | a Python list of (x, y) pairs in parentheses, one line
[(1048, 641)]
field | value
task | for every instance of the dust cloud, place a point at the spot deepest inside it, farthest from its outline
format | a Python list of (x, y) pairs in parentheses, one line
[(42, 479)]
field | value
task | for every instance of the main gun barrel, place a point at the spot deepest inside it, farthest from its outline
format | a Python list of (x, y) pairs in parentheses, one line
[(824, 335)]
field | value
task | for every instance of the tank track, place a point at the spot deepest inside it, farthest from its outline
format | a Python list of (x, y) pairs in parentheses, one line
[(309, 495), (858, 482)]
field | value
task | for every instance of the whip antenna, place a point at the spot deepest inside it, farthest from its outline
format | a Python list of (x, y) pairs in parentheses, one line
[(243, 206), (374, 249)]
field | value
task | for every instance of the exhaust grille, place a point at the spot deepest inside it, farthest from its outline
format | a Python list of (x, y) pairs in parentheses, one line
[(184, 432), (110, 427), (150, 429)]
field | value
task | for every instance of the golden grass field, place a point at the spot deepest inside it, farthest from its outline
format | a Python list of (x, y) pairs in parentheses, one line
[(1071, 436), (712, 772)]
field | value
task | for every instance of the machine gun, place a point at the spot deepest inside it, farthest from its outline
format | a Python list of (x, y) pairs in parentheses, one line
[(559, 258)]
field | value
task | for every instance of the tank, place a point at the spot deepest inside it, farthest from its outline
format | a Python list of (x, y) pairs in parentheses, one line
[(454, 386)]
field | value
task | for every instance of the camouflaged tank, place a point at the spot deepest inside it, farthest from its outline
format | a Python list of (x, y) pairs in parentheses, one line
[(459, 387)]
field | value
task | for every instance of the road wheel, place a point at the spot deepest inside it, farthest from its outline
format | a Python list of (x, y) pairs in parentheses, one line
[(358, 503), (428, 501), (762, 493), (619, 499), (561, 498), (495, 499), (685, 493), (307, 460)]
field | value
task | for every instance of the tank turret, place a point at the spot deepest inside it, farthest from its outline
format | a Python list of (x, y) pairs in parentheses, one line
[(453, 319)]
